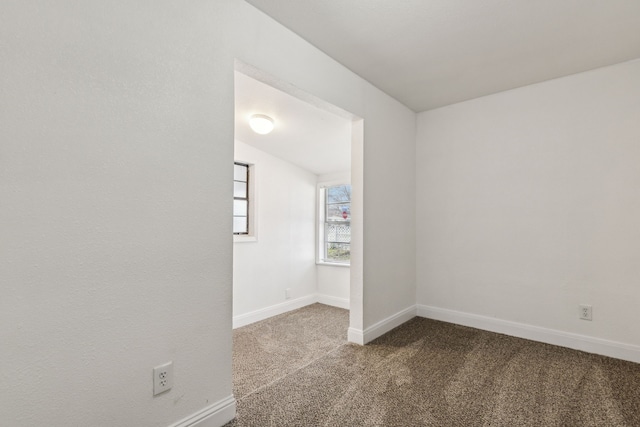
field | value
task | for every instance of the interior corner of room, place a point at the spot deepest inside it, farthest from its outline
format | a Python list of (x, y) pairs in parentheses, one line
[(499, 189)]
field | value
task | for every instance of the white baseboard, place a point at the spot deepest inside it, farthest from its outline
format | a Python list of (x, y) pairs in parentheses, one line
[(589, 344), (355, 336), (274, 310), (385, 325), (380, 328), (215, 415), (333, 301)]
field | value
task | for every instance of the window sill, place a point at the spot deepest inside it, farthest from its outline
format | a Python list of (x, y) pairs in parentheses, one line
[(244, 239), (333, 264)]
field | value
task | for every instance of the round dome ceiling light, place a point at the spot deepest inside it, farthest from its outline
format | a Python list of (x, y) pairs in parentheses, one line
[(261, 124)]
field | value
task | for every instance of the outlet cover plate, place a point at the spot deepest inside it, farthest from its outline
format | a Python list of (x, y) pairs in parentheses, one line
[(162, 378), (586, 312)]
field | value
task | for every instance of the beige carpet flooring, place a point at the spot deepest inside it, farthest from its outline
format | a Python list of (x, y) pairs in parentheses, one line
[(424, 373)]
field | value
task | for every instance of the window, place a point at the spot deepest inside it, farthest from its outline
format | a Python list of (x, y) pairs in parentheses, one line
[(240, 199), (335, 218)]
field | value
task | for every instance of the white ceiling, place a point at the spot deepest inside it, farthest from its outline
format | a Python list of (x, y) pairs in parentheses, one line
[(431, 53), (305, 135)]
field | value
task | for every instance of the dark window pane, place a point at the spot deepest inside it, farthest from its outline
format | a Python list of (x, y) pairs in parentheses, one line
[(240, 195)]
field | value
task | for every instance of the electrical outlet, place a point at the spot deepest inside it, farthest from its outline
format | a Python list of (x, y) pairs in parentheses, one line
[(287, 293), (162, 378), (586, 312)]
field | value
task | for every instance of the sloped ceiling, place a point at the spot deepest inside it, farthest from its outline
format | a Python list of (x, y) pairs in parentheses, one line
[(305, 135), (431, 53)]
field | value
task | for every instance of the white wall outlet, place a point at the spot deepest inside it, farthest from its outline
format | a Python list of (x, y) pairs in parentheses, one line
[(586, 312), (287, 293), (162, 378)]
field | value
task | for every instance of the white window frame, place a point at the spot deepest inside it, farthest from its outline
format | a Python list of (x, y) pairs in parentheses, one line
[(252, 219), (320, 246)]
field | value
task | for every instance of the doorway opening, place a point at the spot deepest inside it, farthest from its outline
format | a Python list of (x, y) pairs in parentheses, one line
[(280, 253)]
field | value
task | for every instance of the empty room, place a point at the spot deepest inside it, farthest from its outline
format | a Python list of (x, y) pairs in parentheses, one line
[(494, 246)]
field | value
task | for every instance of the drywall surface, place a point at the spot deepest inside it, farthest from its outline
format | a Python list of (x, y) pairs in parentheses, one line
[(335, 178), (528, 204), (389, 210), (283, 256), (116, 153), (115, 166), (333, 282)]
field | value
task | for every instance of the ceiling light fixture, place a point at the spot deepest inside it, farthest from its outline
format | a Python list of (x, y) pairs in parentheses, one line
[(261, 124)]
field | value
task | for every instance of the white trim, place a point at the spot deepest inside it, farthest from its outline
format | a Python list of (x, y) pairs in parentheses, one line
[(355, 336), (274, 310), (333, 301), (215, 415), (589, 344), (333, 264), (385, 325), (382, 327)]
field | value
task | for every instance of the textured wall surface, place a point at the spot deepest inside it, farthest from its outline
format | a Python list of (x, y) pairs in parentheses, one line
[(116, 255), (528, 204), (115, 167)]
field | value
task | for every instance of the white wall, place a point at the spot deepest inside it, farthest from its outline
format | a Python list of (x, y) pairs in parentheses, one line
[(528, 204), (117, 148), (389, 209), (115, 256), (283, 256), (333, 285)]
